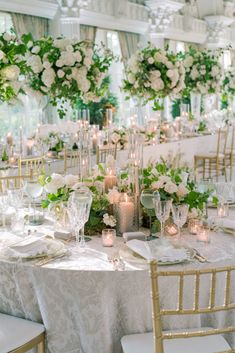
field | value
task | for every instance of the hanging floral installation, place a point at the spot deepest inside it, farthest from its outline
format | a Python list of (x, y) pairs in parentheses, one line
[(153, 74)]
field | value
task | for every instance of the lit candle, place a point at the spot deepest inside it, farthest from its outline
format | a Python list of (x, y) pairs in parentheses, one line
[(9, 139), (108, 237), (203, 234), (194, 225), (110, 181), (12, 160), (29, 146), (171, 229), (125, 216), (94, 142), (222, 210)]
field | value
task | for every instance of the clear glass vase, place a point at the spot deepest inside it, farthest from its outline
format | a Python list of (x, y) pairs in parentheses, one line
[(195, 101)]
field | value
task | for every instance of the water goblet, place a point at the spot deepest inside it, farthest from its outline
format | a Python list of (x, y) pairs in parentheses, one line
[(79, 206), (180, 214), (33, 190), (162, 211)]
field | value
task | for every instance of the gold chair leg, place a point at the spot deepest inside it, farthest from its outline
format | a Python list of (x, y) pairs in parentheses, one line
[(231, 167), (41, 347), (204, 168), (225, 170)]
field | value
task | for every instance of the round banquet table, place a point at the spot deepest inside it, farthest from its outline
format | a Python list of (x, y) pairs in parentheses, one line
[(87, 307)]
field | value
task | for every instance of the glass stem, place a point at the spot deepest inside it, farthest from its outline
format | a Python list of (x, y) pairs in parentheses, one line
[(150, 225), (77, 236), (82, 238), (161, 229)]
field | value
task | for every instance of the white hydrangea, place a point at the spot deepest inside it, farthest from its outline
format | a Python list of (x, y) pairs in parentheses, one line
[(35, 63), (70, 180), (48, 77), (10, 73)]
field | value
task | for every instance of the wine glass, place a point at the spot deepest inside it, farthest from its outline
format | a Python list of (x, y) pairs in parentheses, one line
[(4, 203), (180, 214), (162, 211), (33, 190), (79, 206)]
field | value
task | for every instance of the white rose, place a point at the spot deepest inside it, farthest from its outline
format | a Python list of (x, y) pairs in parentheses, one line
[(35, 62), (57, 182), (131, 78), (69, 48), (157, 185), (36, 49), (170, 187), (46, 65), (188, 62), (2, 54), (113, 196), (60, 73), (109, 220), (7, 37), (77, 56), (59, 63), (182, 190), (48, 77), (150, 61), (30, 44), (87, 62), (70, 180), (10, 73)]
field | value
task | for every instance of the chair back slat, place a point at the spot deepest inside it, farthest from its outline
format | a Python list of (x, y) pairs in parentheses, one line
[(102, 153), (31, 166), (196, 308), (12, 182)]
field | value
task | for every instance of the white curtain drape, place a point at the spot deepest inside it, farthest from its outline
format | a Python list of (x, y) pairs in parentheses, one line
[(128, 43), (88, 33), (38, 26)]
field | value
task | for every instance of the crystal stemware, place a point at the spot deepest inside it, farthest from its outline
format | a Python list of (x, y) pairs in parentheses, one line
[(79, 206), (33, 190), (162, 211), (180, 214)]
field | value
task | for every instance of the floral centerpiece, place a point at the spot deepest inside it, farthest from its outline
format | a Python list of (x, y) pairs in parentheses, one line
[(59, 188), (203, 71), (152, 74), (175, 184), (12, 66), (65, 69)]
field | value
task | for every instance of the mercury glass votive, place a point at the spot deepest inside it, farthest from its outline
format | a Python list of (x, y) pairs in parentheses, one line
[(223, 210), (203, 234), (108, 237), (193, 225)]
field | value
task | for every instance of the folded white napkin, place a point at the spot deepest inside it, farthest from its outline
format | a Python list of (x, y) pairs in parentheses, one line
[(133, 235), (33, 246), (159, 249), (225, 222)]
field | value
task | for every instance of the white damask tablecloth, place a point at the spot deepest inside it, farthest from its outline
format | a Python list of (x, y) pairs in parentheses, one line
[(87, 307)]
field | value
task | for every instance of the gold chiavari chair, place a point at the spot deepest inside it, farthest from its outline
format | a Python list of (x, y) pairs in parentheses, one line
[(103, 152), (71, 159), (213, 163), (202, 340), (19, 335), (230, 149), (12, 182), (31, 166)]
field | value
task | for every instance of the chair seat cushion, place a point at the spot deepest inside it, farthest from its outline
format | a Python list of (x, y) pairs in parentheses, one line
[(14, 332), (143, 343)]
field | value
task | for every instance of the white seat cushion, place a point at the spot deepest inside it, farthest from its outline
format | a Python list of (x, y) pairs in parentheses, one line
[(15, 332), (143, 343)]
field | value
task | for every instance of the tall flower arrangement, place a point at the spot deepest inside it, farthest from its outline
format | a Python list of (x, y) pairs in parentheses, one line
[(12, 66), (203, 71), (153, 73), (228, 83), (66, 69)]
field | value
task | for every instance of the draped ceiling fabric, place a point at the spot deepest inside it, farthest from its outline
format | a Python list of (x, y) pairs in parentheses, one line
[(88, 33), (128, 43), (38, 26)]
